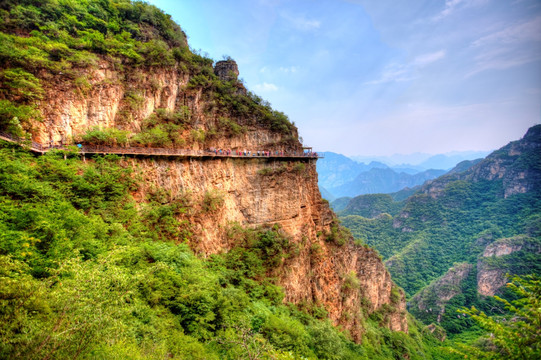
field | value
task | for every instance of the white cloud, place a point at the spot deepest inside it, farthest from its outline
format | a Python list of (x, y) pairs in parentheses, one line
[(406, 72), (301, 22), (516, 33), (266, 87), (290, 69), (393, 73), (425, 59), (451, 6), (515, 45)]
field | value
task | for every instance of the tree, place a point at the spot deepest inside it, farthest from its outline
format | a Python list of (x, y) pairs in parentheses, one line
[(516, 335)]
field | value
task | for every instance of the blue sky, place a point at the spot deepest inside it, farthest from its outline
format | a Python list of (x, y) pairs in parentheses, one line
[(379, 77)]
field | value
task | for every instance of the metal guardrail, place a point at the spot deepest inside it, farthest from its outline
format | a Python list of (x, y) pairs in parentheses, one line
[(35, 146), (104, 149)]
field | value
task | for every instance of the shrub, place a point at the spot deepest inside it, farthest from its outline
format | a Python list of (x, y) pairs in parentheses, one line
[(212, 200), (134, 99), (338, 234), (107, 136), (20, 84), (198, 135), (153, 137), (299, 167), (230, 127), (15, 119), (287, 334), (265, 171), (273, 246), (351, 282)]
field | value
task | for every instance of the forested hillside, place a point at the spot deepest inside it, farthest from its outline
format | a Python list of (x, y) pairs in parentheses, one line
[(485, 221)]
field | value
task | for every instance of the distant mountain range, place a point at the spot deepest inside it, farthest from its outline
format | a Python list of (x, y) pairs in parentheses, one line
[(387, 180), (423, 161), (340, 176)]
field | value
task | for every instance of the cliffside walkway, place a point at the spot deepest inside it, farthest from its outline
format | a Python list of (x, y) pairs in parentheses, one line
[(143, 151)]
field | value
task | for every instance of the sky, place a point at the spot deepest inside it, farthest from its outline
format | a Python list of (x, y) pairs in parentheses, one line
[(382, 77)]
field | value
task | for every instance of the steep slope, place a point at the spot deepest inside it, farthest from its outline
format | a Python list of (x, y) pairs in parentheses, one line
[(88, 270), (340, 203), (120, 74)]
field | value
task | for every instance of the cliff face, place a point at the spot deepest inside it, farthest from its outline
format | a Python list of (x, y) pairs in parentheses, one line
[(495, 262), (105, 96), (318, 271), (343, 277), (442, 290), (487, 277), (431, 303)]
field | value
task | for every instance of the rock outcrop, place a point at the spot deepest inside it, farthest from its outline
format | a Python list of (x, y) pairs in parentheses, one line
[(434, 297), (493, 265), (227, 70)]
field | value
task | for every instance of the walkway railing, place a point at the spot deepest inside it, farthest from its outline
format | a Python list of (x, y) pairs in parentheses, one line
[(34, 146), (103, 149)]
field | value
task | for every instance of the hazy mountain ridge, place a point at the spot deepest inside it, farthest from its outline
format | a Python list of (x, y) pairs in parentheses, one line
[(516, 165), (387, 180), (424, 161), (342, 176), (336, 169)]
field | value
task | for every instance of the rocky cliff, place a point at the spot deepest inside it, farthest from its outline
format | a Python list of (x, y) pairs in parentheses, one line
[(324, 268), (497, 261), (433, 298)]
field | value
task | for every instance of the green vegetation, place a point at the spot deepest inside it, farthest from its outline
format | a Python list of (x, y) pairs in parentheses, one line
[(231, 100), (274, 170), (163, 129), (513, 336), (15, 119), (64, 34), (107, 136), (429, 235), (230, 127), (212, 200), (371, 206), (86, 272), (338, 234), (438, 233)]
